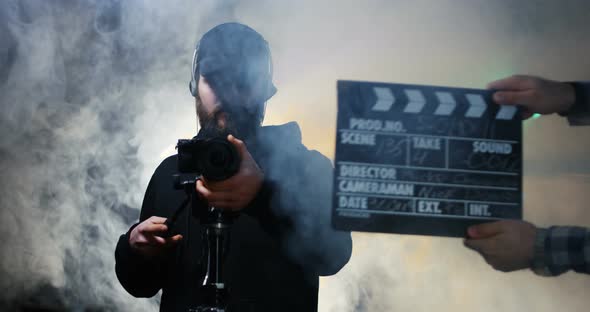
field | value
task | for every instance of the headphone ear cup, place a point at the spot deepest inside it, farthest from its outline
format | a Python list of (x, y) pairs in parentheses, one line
[(192, 86)]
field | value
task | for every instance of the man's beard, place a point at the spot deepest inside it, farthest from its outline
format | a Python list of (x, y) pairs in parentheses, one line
[(238, 122)]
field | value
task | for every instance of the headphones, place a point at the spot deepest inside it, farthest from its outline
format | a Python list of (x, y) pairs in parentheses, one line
[(192, 85)]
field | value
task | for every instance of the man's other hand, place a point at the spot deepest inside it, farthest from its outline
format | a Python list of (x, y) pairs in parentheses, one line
[(534, 94), (145, 239), (506, 245), (239, 190)]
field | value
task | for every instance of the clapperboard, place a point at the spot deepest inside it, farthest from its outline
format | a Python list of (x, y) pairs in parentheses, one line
[(427, 160)]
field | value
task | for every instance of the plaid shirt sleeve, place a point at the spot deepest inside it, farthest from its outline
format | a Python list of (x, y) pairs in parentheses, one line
[(559, 249)]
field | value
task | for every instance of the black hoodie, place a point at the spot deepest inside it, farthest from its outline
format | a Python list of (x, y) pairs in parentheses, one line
[(279, 244)]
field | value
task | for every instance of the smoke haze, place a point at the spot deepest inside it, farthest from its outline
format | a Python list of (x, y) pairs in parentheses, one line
[(94, 95)]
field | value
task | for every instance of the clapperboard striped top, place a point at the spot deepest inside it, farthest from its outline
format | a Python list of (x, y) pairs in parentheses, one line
[(445, 103)]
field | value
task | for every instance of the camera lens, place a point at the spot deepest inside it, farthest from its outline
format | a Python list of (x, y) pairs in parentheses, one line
[(218, 156), (220, 160)]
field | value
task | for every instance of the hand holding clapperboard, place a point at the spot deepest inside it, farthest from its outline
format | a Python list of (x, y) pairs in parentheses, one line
[(424, 160)]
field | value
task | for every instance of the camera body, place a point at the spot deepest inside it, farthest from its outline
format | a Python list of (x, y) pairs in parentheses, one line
[(214, 158)]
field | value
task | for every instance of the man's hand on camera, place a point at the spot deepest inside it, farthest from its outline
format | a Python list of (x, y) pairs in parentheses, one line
[(534, 94), (238, 191), (145, 239), (506, 245)]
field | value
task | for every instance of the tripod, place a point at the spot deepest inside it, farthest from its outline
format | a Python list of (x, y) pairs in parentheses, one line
[(216, 225)]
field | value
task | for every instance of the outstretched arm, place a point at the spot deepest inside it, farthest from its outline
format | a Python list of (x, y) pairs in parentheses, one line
[(142, 252), (542, 96), (511, 245), (291, 200)]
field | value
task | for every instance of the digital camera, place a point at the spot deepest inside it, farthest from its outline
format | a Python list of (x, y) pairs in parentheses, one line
[(214, 158)]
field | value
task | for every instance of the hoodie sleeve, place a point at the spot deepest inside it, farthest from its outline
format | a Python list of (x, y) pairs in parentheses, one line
[(318, 245), (139, 275), (300, 196), (579, 114)]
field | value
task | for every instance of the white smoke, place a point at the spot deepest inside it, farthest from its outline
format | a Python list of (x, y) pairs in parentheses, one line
[(94, 94), (80, 79)]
